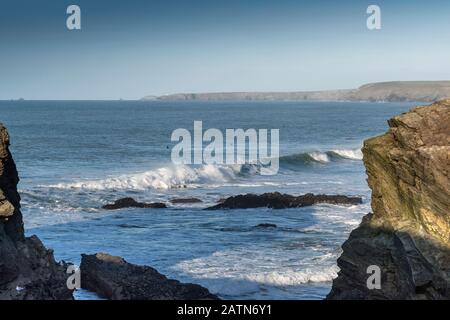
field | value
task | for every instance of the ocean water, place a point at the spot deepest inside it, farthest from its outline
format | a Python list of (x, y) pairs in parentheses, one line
[(74, 157)]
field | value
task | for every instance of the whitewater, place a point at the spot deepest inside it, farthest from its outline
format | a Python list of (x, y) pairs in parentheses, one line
[(185, 176)]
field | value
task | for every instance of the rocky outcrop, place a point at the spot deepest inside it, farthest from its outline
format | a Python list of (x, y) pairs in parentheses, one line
[(27, 269), (276, 200), (266, 226), (131, 203), (408, 234), (114, 278)]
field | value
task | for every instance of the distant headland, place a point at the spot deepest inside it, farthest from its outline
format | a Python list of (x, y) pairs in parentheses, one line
[(395, 91)]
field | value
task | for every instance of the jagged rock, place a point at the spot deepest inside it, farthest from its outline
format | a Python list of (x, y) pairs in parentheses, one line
[(131, 203), (185, 200), (408, 234), (276, 200), (114, 278), (27, 269)]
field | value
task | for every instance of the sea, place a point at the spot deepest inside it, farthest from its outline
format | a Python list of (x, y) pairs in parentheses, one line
[(73, 157)]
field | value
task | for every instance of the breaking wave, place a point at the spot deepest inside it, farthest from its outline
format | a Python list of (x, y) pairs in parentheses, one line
[(301, 159), (184, 176), (181, 176), (352, 154)]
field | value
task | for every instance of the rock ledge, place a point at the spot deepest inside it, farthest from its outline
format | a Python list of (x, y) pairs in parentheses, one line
[(114, 278)]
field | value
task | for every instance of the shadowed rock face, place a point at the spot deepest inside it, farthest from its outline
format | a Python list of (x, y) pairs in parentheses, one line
[(114, 278), (277, 200), (27, 269), (408, 233)]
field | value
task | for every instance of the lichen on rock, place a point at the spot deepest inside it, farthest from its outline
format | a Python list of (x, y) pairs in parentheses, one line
[(6, 208)]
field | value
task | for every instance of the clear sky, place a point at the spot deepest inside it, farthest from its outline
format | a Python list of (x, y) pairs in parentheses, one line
[(129, 49)]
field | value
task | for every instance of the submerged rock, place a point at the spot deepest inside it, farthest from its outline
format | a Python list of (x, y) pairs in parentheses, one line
[(276, 200), (114, 278), (185, 200), (266, 226), (27, 269), (131, 203), (408, 234)]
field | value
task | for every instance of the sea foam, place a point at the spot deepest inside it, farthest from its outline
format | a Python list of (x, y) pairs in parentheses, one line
[(179, 176), (184, 176), (292, 277), (353, 154)]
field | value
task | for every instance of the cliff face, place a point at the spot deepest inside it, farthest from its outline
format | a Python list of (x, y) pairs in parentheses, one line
[(27, 269), (408, 234), (428, 91)]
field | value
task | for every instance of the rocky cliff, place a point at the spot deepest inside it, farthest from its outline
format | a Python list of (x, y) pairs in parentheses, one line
[(27, 269), (408, 234), (394, 91)]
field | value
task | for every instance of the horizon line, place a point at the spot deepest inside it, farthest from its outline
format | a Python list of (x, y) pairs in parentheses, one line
[(157, 96)]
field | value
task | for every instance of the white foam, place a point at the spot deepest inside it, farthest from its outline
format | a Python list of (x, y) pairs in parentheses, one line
[(353, 154), (226, 285), (268, 268), (293, 278), (319, 157), (162, 178)]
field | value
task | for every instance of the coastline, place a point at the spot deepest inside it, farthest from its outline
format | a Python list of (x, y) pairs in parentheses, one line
[(129, 220), (395, 91)]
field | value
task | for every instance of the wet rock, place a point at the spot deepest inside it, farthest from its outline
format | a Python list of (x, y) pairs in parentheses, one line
[(114, 278), (185, 200), (131, 203), (276, 200), (408, 234), (266, 226), (28, 270)]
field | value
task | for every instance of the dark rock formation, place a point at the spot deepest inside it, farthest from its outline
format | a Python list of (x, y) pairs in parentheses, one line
[(266, 226), (276, 200), (114, 278), (408, 234), (27, 269), (131, 203), (185, 200)]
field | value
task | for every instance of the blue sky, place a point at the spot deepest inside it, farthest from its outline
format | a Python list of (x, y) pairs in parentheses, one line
[(128, 49)]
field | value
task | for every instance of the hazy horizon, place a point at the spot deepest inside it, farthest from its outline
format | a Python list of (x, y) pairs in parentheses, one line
[(137, 48), (206, 92)]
